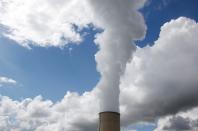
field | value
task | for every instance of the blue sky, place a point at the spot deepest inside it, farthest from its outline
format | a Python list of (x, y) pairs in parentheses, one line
[(157, 13), (51, 72)]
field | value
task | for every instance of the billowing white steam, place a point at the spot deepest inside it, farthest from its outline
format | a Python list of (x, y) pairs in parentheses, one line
[(122, 24)]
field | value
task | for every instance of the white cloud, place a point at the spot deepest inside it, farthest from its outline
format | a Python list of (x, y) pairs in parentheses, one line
[(162, 79), (51, 22), (43, 23), (7, 81), (73, 112)]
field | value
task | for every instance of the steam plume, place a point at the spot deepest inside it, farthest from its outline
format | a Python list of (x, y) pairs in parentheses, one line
[(122, 24)]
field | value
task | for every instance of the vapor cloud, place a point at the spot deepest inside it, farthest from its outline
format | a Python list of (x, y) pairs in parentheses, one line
[(122, 24)]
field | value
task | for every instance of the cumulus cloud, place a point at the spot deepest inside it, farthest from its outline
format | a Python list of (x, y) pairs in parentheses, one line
[(73, 113), (162, 79), (6, 81)]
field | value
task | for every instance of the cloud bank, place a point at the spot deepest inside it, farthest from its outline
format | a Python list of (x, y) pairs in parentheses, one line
[(161, 82), (43, 115)]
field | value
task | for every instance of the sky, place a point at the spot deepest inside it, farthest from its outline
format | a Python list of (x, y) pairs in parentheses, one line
[(49, 72), (53, 71)]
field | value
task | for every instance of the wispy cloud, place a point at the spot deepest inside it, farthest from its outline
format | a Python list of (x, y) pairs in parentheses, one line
[(163, 4)]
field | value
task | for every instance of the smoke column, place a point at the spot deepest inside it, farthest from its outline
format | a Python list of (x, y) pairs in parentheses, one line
[(122, 24)]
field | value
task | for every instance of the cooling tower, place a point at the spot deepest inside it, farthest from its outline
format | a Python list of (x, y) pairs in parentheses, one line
[(109, 121)]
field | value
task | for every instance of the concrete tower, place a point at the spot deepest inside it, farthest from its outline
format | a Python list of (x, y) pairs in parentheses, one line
[(109, 121)]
